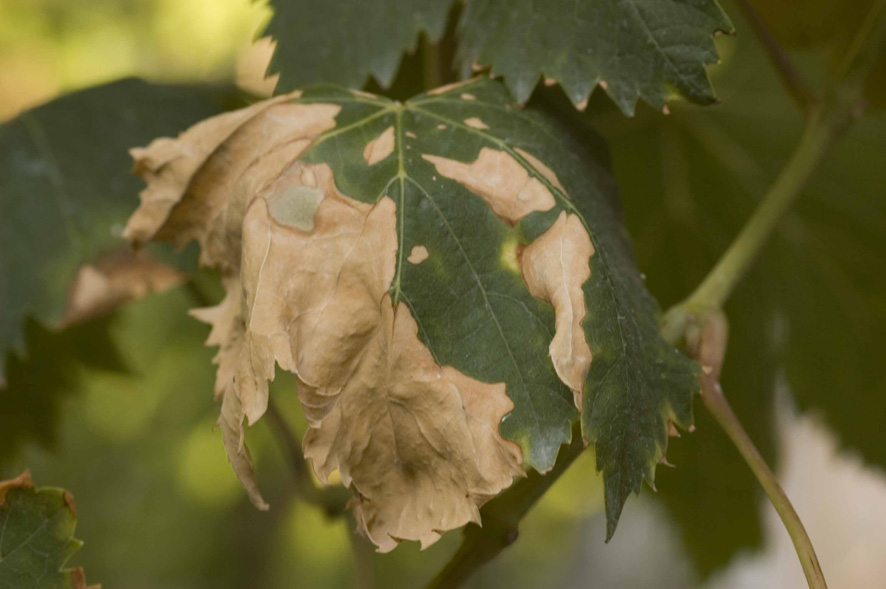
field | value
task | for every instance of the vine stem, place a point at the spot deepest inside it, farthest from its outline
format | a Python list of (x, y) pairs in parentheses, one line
[(732, 266), (709, 347)]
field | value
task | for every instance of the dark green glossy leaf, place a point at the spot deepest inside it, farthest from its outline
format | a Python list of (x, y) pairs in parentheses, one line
[(649, 49), (66, 186), (346, 42), (476, 314), (37, 536)]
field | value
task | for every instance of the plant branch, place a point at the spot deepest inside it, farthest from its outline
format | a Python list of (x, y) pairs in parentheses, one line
[(501, 518), (791, 78), (333, 500), (709, 347)]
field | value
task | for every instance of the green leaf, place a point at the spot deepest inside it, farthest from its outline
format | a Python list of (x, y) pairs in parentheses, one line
[(649, 49), (37, 536), (66, 186), (346, 42)]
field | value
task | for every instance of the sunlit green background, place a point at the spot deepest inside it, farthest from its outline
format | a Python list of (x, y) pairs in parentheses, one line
[(159, 506)]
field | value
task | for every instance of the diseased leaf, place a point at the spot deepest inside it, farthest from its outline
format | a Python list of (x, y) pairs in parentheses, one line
[(432, 272), (649, 49), (37, 536), (346, 42), (65, 188)]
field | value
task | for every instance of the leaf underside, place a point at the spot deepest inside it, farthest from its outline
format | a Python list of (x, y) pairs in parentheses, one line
[(36, 536), (496, 215)]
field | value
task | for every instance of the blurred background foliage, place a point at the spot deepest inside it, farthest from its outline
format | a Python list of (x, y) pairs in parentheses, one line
[(159, 505)]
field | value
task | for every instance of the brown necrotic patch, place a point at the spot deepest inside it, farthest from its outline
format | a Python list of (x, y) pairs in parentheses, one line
[(555, 266), (500, 180), (476, 123), (418, 254), (379, 148)]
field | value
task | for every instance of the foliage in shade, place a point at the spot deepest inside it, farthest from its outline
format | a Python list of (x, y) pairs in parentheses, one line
[(649, 49), (37, 536), (66, 186), (346, 42)]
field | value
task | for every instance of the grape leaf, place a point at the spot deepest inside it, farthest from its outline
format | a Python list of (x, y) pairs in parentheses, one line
[(37, 536), (427, 270), (651, 49), (65, 187), (346, 42)]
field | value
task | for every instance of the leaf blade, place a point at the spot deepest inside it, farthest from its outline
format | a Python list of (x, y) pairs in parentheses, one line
[(640, 49)]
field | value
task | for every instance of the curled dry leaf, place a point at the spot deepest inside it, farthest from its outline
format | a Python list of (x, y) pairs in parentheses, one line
[(114, 279), (425, 281)]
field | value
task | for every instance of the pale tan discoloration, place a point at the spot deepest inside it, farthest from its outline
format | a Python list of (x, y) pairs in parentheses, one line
[(467, 96), (555, 266), (362, 94), (500, 180), (550, 82), (449, 87), (581, 106), (418, 254), (379, 148), (542, 169), (411, 135), (113, 280), (441, 127), (307, 272), (476, 123)]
